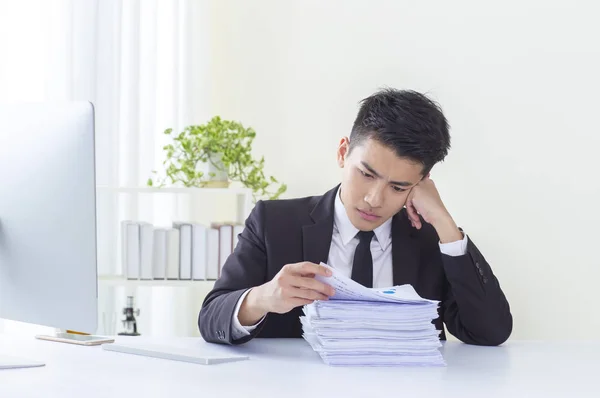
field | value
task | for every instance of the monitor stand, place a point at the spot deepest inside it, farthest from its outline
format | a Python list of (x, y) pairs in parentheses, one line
[(7, 362)]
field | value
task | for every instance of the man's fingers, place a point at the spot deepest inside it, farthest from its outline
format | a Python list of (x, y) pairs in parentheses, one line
[(312, 284), (307, 268), (411, 210), (307, 294), (299, 302), (412, 214)]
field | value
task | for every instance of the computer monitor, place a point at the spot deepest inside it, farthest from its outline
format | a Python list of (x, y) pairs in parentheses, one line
[(48, 271)]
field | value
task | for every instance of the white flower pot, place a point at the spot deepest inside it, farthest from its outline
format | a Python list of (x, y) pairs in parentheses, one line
[(220, 179)]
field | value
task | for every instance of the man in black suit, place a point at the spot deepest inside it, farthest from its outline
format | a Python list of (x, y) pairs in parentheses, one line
[(383, 225)]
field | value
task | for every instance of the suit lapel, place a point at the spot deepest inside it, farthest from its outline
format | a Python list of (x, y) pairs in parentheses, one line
[(316, 242), (405, 251), (316, 237)]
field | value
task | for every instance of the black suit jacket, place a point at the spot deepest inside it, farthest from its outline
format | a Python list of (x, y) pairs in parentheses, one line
[(473, 306)]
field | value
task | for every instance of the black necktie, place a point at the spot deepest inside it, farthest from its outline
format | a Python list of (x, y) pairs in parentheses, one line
[(362, 267)]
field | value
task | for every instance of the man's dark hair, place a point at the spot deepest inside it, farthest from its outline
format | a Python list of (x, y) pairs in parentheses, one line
[(405, 121)]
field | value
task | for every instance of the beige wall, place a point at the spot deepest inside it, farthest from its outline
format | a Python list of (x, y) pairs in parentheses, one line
[(519, 83)]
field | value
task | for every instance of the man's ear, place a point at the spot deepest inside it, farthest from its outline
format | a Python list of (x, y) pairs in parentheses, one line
[(343, 151)]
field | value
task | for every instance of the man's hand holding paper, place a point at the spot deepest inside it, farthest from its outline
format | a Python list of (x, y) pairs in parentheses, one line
[(294, 286)]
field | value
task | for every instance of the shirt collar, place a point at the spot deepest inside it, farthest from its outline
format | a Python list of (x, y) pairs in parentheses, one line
[(347, 230)]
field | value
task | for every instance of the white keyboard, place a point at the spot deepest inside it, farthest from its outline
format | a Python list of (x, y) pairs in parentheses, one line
[(200, 355)]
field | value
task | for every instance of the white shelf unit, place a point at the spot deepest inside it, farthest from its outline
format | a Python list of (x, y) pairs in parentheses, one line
[(243, 208), (185, 295), (117, 280)]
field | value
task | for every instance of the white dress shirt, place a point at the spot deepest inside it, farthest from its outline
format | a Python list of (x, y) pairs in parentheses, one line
[(341, 255)]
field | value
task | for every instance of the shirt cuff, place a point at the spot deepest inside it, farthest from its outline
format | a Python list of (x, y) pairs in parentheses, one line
[(237, 330), (455, 249)]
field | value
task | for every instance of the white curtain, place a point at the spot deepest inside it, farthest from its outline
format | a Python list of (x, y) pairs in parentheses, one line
[(144, 65)]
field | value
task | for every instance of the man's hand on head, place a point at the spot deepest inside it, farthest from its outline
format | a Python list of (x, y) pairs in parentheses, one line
[(424, 199)]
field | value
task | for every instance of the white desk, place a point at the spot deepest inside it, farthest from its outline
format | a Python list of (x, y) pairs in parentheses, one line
[(289, 368)]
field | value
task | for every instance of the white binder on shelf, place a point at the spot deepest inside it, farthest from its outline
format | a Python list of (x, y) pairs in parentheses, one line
[(146, 250), (212, 256), (159, 258), (185, 249), (131, 249), (199, 251), (172, 253)]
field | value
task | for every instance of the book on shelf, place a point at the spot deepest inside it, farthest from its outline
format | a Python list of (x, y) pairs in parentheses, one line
[(228, 238), (212, 254), (173, 253), (146, 247), (185, 249), (199, 250), (130, 249), (181, 251), (159, 250)]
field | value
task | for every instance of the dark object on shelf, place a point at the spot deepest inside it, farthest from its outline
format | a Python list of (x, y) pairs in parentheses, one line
[(130, 323)]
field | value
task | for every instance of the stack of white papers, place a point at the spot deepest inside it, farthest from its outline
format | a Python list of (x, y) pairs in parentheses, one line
[(372, 327)]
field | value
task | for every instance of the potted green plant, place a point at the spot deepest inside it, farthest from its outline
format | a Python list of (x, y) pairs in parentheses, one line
[(213, 155)]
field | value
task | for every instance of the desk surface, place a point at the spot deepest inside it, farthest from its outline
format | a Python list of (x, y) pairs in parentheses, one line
[(289, 368)]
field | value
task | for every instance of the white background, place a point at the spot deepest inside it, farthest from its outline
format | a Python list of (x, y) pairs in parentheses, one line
[(519, 82)]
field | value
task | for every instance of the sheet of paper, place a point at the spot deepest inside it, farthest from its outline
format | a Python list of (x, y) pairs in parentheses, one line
[(347, 289)]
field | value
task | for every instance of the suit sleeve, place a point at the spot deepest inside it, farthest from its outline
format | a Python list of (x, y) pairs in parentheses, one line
[(475, 309), (243, 269)]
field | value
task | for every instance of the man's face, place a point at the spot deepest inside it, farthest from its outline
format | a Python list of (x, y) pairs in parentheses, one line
[(375, 182)]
